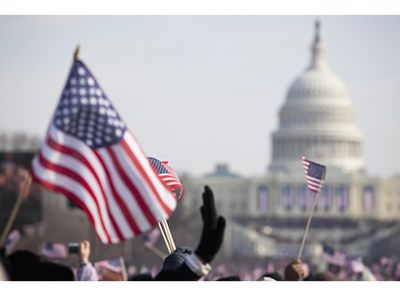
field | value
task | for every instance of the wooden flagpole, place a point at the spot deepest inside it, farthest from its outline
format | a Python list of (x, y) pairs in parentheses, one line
[(308, 225), (167, 236), (22, 194), (123, 268)]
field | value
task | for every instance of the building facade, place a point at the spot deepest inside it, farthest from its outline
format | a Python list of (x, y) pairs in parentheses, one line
[(267, 214)]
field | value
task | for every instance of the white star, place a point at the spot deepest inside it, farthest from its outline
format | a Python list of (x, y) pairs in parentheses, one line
[(73, 81), (82, 91), (93, 100), (84, 100), (118, 132), (92, 91), (73, 90), (74, 100), (81, 71), (90, 81), (99, 92), (65, 111), (82, 81), (89, 142)]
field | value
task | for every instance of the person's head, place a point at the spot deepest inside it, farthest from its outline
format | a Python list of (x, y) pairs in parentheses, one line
[(27, 266)]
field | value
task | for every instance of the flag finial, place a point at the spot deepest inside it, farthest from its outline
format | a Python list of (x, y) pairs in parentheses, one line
[(76, 52)]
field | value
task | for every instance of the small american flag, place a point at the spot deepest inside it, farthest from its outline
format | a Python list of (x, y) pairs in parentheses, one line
[(112, 264), (334, 257), (90, 156), (168, 176), (12, 240), (315, 174), (54, 250)]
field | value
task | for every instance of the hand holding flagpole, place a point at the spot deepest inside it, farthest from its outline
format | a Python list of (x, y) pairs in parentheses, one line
[(315, 176)]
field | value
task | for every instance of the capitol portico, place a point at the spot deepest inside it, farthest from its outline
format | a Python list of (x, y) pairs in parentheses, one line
[(267, 214)]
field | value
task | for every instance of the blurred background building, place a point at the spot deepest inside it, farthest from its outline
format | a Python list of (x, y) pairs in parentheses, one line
[(268, 214)]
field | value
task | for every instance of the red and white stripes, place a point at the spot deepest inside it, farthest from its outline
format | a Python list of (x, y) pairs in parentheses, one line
[(115, 185), (314, 184)]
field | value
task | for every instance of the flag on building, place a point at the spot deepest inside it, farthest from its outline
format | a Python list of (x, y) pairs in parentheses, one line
[(54, 250), (12, 240), (262, 199), (315, 174), (151, 237), (288, 197), (368, 198), (91, 157), (342, 195), (331, 256), (168, 176)]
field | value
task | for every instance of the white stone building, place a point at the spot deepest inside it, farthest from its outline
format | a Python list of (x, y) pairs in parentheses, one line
[(267, 214)]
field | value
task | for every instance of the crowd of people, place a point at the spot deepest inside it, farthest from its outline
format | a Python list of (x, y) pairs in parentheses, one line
[(187, 264)]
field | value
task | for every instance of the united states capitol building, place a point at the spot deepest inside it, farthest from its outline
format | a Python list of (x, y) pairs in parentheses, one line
[(267, 214)]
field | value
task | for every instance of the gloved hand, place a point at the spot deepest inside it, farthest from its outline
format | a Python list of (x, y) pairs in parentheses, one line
[(213, 228)]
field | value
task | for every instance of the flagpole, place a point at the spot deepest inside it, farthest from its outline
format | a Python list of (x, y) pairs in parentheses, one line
[(15, 210), (169, 234), (123, 267), (165, 237), (308, 225)]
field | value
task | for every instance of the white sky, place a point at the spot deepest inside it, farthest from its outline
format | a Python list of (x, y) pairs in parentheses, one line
[(197, 90)]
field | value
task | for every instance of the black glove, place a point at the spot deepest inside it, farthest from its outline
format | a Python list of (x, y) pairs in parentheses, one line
[(213, 228)]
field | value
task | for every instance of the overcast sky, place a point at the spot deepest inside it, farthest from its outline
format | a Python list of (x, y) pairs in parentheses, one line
[(198, 90)]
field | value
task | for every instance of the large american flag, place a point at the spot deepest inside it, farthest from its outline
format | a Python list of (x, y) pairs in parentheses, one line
[(90, 156), (168, 176), (315, 174)]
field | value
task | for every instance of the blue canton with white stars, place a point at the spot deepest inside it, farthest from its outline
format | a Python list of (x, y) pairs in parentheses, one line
[(316, 170), (85, 112), (157, 165)]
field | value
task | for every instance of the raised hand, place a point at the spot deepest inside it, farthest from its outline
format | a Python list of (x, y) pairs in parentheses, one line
[(213, 228)]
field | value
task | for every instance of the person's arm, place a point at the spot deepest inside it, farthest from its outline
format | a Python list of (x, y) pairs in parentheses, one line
[(86, 271)]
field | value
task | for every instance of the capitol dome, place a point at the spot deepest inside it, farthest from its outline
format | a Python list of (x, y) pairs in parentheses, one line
[(317, 120)]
